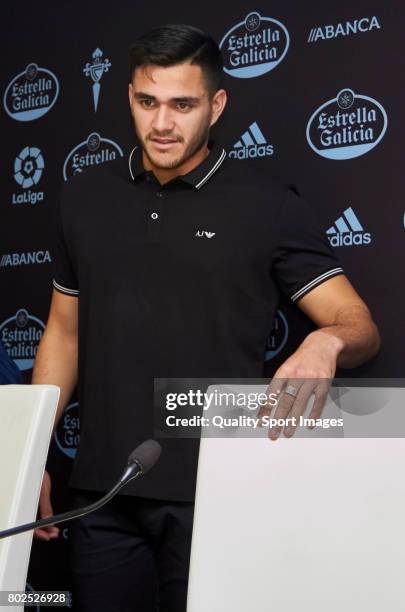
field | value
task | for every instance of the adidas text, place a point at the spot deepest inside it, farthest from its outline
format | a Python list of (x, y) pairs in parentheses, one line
[(350, 239), (251, 152)]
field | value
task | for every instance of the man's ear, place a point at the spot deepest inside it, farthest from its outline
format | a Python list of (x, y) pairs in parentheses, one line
[(218, 104)]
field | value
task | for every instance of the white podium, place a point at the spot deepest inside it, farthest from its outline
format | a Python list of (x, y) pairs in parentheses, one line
[(308, 524), (27, 414)]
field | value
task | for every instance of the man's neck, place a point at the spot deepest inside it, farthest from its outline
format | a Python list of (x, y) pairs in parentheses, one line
[(164, 175)]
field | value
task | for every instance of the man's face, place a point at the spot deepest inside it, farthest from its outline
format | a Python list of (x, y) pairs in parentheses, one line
[(172, 112)]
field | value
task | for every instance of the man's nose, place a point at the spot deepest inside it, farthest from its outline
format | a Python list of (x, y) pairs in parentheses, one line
[(163, 119)]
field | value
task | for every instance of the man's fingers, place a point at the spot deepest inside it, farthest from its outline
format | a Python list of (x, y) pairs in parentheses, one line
[(286, 401), (299, 406), (276, 386), (321, 394), (41, 534), (273, 391), (293, 397), (46, 533)]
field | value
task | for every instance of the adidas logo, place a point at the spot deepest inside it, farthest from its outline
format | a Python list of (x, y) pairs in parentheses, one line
[(251, 144), (203, 234), (348, 231)]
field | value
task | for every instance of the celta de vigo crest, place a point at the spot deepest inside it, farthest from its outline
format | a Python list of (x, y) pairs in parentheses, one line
[(95, 70)]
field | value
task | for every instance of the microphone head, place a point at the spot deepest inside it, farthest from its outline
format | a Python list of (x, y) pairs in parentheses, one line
[(146, 455)]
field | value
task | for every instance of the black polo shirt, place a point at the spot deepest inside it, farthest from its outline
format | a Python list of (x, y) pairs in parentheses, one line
[(174, 280)]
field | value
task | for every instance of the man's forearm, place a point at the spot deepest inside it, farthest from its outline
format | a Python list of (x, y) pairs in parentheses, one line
[(56, 364), (353, 337)]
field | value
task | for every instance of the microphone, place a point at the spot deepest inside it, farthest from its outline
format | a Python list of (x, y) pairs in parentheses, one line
[(140, 461)]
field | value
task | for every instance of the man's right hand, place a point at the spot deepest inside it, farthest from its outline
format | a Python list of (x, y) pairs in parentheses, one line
[(45, 509)]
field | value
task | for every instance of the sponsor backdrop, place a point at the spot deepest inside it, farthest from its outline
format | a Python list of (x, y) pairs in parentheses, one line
[(313, 98)]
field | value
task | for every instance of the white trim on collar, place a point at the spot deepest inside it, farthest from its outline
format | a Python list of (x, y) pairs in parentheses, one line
[(129, 163), (213, 169), (201, 182)]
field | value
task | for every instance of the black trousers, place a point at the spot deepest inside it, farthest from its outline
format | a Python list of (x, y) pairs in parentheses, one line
[(131, 555)]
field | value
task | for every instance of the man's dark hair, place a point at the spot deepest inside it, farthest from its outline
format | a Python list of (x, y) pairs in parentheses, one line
[(173, 44)]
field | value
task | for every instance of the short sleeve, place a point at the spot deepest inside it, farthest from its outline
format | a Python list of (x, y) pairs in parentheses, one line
[(64, 275), (303, 258)]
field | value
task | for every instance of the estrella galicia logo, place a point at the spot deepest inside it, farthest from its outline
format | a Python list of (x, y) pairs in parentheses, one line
[(31, 94), (254, 46), (95, 70), (28, 168), (95, 150), (67, 433), (347, 126), (278, 336), (21, 335)]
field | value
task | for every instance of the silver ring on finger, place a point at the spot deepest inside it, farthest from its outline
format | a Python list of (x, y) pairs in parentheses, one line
[(291, 390)]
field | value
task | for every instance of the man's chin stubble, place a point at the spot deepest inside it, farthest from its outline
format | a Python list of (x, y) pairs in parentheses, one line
[(168, 165), (165, 164)]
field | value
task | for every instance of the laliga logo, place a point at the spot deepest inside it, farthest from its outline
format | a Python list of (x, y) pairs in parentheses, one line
[(93, 151), (31, 93), (347, 126), (278, 336), (28, 168), (254, 46), (67, 433), (21, 335), (96, 71)]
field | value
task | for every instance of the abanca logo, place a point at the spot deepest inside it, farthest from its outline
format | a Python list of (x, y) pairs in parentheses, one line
[(31, 94), (347, 126), (24, 259), (254, 46), (93, 151), (357, 26)]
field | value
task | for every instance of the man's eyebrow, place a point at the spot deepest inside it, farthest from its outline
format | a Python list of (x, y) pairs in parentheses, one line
[(140, 95)]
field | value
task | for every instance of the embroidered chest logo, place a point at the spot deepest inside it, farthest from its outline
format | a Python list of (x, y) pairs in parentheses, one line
[(203, 234)]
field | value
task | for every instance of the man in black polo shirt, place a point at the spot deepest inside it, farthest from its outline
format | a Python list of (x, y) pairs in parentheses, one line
[(169, 263)]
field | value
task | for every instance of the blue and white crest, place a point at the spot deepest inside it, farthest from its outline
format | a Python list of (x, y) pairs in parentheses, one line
[(95, 70), (254, 46), (31, 94), (347, 126)]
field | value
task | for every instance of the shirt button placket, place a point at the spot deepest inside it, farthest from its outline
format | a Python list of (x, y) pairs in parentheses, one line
[(155, 215)]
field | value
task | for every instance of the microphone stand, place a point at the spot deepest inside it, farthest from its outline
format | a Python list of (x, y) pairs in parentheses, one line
[(133, 470)]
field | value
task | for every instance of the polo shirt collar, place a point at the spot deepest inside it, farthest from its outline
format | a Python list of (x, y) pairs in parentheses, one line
[(197, 177)]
